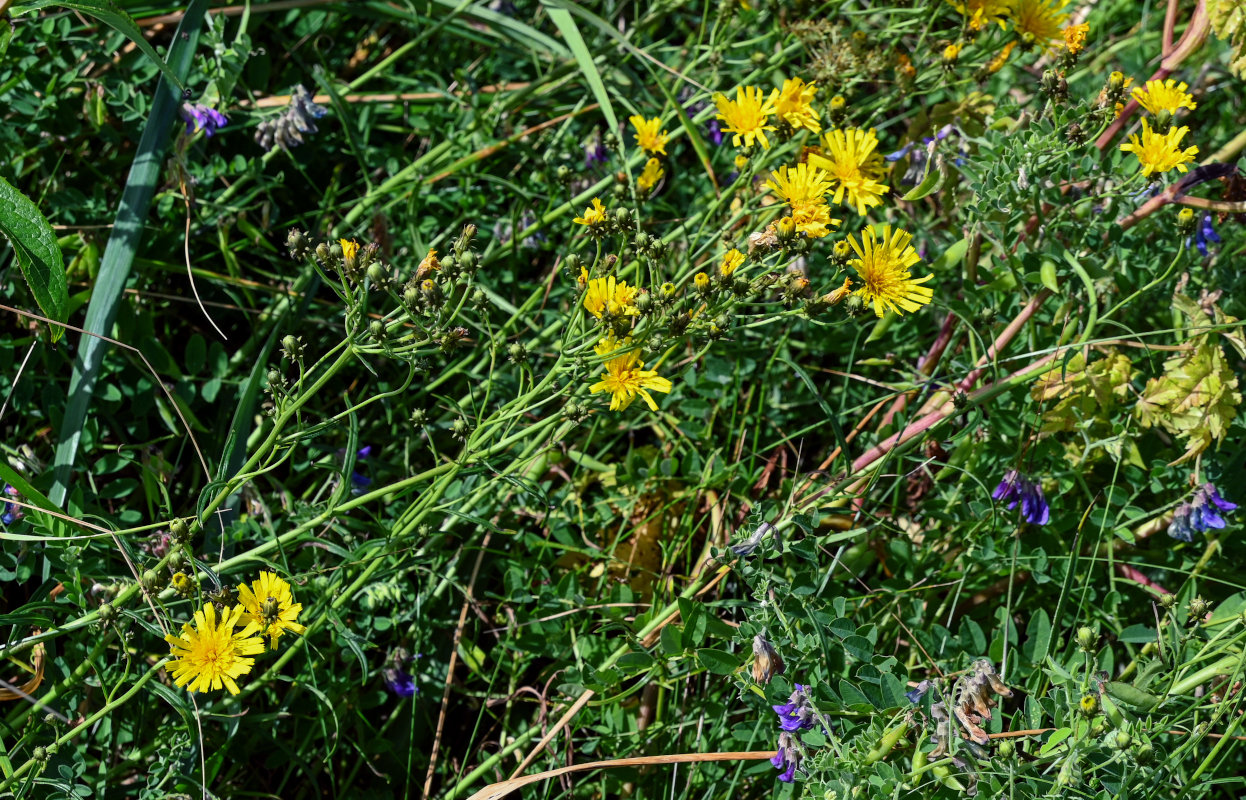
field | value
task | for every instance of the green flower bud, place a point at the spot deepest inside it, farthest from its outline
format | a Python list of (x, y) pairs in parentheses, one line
[(180, 531), (461, 428), (419, 418), (379, 276), (298, 244), (517, 353), (1168, 600), (1007, 748), (1187, 221), (376, 329), (1087, 640), (107, 612), (468, 260), (292, 346)]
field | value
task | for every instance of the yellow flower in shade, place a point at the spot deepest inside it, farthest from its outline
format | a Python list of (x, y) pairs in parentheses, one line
[(814, 219), (650, 176), (582, 281), (849, 157), (730, 263), (793, 105), (746, 116), (609, 296), (270, 605), (1160, 152), (1075, 38), (212, 654), (1164, 96), (883, 266), (594, 215), (647, 134), (350, 248), (981, 13), (950, 54), (1039, 22), (625, 376), (800, 184)]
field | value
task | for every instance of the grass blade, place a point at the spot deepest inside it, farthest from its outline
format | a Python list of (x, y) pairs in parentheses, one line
[(567, 27)]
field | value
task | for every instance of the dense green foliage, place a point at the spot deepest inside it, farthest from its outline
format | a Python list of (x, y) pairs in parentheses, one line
[(1003, 495)]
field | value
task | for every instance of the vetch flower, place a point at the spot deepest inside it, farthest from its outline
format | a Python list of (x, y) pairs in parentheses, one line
[(883, 266), (746, 548), (1160, 152), (746, 116), (594, 215), (1015, 488), (625, 376), (714, 130), (796, 714), (647, 134), (794, 105), (213, 654), (850, 159), (1164, 96), (287, 129), (595, 153), (650, 176), (400, 682), (610, 297), (270, 605), (1201, 513), (199, 117), (12, 511), (1204, 234), (788, 757)]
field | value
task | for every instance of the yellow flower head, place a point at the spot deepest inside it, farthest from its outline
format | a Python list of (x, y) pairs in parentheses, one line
[(883, 266), (1164, 96), (1160, 152), (849, 157), (746, 116), (610, 296), (647, 134), (981, 13), (800, 184), (594, 215), (625, 376), (350, 249), (650, 176), (427, 265), (1075, 38), (793, 105), (270, 605), (212, 654), (837, 296), (1039, 22), (730, 263), (814, 219)]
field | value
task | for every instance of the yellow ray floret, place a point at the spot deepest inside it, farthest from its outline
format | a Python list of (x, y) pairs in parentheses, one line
[(849, 157), (1160, 152), (746, 116), (625, 377), (649, 134)]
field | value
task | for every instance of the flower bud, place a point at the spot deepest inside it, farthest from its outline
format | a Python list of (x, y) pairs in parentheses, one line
[(39, 754), (1168, 600), (644, 301), (275, 379), (1163, 120), (1145, 753), (183, 584), (572, 263), (1006, 748), (1087, 640), (379, 276), (180, 531), (950, 54), (431, 292), (376, 329), (517, 353), (1198, 609), (107, 612), (838, 110), (468, 260), (622, 217), (292, 346), (1187, 221), (151, 581), (410, 296), (460, 429), (702, 282), (1119, 739), (298, 244), (1089, 704), (667, 291), (419, 418)]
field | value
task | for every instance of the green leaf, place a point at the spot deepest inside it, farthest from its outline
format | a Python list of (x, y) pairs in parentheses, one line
[(718, 661), (112, 16), (38, 253), (567, 27)]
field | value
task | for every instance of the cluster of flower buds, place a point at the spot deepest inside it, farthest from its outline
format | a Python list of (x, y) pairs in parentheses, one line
[(287, 129)]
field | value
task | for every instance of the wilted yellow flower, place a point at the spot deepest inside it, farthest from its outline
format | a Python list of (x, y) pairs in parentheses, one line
[(883, 266), (647, 134), (793, 105), (746, 116), (837, 296), (650, 176), (1001, 58), (427, 265), (610, 296), (1164, 96), (594, 215), (1160, 152), (212, 654), (1075, 38), (1039, 22), (849, 157), (730, 263), (625, 376)]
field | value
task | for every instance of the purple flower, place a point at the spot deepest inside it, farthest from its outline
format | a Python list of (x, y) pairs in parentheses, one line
[(796, 714), (595, 153), (915, 694), (714, 130), (788, 756), (1205, 233), (400, 682), (200, 117), (1201, 513), (12, 511), (364, 452), (1016, 488)]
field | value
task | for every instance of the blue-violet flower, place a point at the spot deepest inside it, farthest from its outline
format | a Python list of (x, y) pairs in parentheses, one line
[(1199, 513), (1015, 488)]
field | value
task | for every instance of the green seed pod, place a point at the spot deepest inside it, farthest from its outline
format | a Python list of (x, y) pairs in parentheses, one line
[(1087, 640), (292, 346), (468, 260), (107, 613), (1006, 748)]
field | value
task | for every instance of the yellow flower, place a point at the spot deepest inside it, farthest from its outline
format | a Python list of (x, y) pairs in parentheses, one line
[(212, 654), (950, 54), (980, 13), (350, 248), (837, 296), (814, 219), (594, 215), (625, 376), (800, 184), (610, 296), (647, 135), (1160, 152), (883, 266), (855, 168), (1164, 96), (270, 605), (1039, 22), (793, 105), (427, 265), (1075, 38), (746, 116), (1001, 58), (649, 178), (730, 263)]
